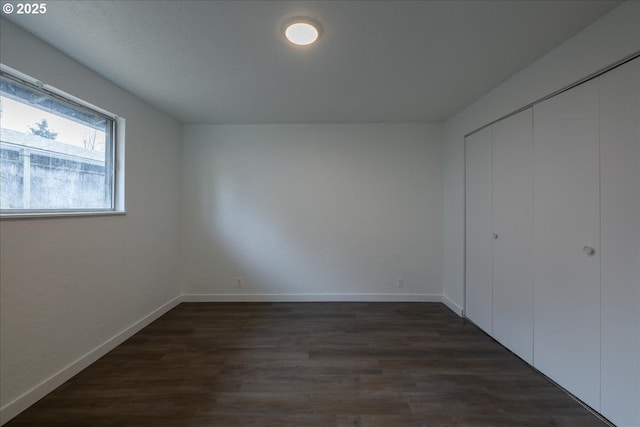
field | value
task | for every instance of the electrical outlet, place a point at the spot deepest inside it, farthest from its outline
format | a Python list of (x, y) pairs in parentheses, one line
[(239, 282), (399, 282)]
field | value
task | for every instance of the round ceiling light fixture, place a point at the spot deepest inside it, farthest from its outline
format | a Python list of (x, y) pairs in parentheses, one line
[(301, 31)]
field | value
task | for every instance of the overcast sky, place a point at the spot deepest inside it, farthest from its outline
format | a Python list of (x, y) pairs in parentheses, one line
[(19, 117)]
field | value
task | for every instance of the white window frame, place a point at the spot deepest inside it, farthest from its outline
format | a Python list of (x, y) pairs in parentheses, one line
[(117, 154)]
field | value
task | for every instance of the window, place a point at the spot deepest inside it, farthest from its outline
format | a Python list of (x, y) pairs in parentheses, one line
[(57, 154)]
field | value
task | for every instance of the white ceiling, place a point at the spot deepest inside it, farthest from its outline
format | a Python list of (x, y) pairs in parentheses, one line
[(376, 61)]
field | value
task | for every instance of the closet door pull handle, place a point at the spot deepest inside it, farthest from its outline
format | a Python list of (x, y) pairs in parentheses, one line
[(495, 236), (589, 250)]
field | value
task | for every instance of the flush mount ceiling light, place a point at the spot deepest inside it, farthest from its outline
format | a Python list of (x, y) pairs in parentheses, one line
[(301, 31)]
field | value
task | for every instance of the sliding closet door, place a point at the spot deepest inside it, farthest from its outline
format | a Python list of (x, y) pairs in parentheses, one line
[(478, 300), (620, 253), (566, 241), (512, 225)]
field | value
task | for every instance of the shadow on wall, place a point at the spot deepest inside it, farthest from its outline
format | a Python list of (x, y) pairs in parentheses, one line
[(260, 246)]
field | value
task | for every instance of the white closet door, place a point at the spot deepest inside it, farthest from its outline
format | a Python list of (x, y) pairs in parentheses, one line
[(566, 230), (478, 300), (620, 245), (512, 223)]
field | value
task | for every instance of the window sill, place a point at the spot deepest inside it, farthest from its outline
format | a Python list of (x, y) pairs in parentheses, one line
[(51, 215)]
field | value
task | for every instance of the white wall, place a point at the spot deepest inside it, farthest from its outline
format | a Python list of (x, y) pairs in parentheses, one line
[(323, 212), (614, 36), (69, 285)]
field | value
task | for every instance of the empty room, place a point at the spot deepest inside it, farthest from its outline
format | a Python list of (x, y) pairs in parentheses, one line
[(320, 213)]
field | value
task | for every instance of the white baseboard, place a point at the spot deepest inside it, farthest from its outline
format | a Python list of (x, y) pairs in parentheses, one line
[(312, 298), (22, 402), (452, 305)]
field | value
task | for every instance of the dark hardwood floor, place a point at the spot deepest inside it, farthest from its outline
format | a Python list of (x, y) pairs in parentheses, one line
[(308, 364)]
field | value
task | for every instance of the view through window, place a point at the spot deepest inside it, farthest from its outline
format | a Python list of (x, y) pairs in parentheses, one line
[(55, 155)]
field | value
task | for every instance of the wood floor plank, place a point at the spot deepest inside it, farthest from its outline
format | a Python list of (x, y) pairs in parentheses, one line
[(308, 364)]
